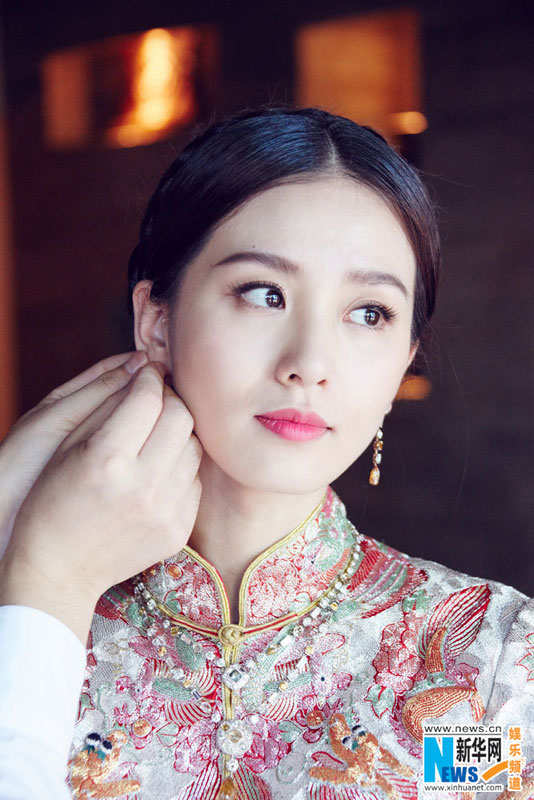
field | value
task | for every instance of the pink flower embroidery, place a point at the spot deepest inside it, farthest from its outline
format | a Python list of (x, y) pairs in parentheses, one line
[(143, 720), (198, 596), (123, 684), (122, 716), (398, 664), (267, 748), (273, 584), (194, 748), (148, 711), (315, 720)]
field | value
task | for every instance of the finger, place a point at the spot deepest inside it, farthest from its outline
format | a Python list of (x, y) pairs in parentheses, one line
[(190, 509), (92, 423), (89, 375), (187, 468), (69, 411), (131, 423), (165, 445)]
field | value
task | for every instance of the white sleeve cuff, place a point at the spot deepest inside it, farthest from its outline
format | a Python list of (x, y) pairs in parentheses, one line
[(41, 674)]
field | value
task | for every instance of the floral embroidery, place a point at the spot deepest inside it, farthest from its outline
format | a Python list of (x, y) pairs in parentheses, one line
[(268, 747), (398, 664), (314, 722), (390, 579), (193, 747), (270, 601), (85, 703), (526, 792), (147, 712), (300, 570), (384, 643), (418, 657), (528, 659), (194, 595)]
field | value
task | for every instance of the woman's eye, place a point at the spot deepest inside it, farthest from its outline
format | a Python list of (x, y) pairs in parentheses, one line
[(367, 316), (263, 296)]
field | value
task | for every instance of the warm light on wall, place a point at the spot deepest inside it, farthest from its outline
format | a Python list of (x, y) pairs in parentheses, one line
[(364, 67), (163, 93), (414, 387), (407, 122), (129, 90)]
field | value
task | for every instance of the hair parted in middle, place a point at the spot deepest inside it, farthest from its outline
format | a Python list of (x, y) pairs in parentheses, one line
[(234, 159)]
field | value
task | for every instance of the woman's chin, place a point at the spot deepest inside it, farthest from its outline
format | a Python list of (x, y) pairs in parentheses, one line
[(273, 479)]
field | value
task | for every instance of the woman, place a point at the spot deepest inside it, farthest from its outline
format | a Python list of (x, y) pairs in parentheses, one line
[(284, 279)]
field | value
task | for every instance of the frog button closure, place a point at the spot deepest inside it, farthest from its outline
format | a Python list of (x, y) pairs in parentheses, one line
[(230, 635)]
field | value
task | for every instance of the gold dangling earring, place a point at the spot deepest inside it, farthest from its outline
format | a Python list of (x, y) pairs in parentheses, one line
[(378, 444)]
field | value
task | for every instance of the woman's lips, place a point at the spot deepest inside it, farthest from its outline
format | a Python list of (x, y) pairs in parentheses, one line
[(297, 426)]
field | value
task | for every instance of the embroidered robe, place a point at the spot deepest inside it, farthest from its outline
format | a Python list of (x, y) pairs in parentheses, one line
[(410, 643)]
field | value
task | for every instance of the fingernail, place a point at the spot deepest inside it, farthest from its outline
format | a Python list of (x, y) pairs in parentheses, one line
[(137, 360)]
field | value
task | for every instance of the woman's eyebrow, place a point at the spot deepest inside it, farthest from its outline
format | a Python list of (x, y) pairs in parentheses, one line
[(282, 264), (267, 259)]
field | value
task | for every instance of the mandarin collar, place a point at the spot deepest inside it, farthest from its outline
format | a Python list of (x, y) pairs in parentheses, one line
[(277, 586)]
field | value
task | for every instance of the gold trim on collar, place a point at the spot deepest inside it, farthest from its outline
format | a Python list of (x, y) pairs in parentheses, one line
[(226, 619), (270, 550), (217, 580)]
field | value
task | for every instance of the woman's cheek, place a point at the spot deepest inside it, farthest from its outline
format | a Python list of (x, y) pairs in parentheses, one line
[(209, 367)]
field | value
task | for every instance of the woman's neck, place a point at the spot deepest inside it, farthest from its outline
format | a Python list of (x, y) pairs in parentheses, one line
[(235, 524)]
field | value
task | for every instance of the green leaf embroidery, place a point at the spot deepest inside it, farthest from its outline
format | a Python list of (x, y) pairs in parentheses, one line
[(382, 699), (171, 689), (134, 616), (289, 730)]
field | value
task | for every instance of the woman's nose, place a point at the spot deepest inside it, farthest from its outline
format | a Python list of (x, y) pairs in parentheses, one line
[(306, 355)]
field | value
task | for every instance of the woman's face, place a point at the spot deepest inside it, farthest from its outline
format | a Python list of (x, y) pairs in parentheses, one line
[(300, 302)]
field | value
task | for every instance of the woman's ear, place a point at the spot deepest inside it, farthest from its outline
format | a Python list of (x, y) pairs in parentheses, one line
[(151, 325)]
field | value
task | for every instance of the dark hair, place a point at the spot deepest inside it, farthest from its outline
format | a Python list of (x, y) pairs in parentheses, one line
[(248, 152)]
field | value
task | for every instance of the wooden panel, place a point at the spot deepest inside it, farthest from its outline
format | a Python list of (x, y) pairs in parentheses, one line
[(131, 90), (363, 67)]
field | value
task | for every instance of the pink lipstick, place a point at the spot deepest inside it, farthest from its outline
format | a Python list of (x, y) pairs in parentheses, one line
[(297, 426)]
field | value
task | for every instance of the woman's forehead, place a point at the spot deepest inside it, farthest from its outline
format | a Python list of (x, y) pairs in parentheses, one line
[(330, 223)]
